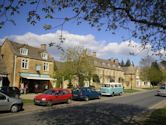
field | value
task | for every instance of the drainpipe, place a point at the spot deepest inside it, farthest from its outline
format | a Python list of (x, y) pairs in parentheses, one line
[(14, 76)]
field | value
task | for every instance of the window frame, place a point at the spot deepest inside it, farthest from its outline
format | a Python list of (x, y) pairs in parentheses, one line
[(44, 55), (26, 63), (44, 66), (24, 51)]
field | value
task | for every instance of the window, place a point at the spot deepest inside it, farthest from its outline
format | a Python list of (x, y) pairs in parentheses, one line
[(24, 63), (46, 67), (23, 51), (44, 56), (2, 97)]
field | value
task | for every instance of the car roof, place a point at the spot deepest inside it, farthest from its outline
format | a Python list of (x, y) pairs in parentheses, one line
[(113, 83), (59, 89)]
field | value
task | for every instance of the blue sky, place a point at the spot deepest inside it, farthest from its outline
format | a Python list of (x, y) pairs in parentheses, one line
[(106, 44)]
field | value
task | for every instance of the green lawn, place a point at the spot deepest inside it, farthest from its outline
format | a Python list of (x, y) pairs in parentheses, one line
[(28, 101), (130, 90), (151, 88), (158, 117)]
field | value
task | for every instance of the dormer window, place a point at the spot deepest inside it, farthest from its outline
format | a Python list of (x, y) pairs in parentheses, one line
[(44, 56), (24, 51)]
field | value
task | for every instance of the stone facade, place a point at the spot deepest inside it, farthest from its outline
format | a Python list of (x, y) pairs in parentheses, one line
[(3, 72), (25, 64)]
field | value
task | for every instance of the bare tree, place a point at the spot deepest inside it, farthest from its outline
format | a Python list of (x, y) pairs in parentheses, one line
[(78, 62)]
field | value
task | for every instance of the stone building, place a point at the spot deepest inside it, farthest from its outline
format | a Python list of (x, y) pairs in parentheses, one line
[(108, 71), (130, 77), (28, 67), (3, 72)]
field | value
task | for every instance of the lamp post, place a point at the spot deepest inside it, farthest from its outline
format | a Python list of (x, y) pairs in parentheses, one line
[(131, 81)]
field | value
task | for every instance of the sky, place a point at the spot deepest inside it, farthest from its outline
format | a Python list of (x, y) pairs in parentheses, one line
[(104, 43)]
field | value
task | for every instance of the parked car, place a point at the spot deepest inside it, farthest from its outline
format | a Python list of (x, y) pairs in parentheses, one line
[(10, 91), (8, 103), (162, 91), (85, 93), (52, 96), (112, 89)]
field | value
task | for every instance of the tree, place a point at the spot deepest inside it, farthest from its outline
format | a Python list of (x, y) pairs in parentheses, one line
[(148, 17), (155, 75), (128, 63), (122, 63), (145, 65), (79, 63)]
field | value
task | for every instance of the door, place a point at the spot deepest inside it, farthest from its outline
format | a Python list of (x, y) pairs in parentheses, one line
[(63, 95), (4, 103)]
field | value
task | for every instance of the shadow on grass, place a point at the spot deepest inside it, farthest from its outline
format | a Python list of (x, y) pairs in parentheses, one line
[(158, 117), (92, 114)]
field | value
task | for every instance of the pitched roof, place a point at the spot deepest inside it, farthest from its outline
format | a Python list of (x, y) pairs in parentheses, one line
[(33, 52), (3, 70), (107, 64), (129, 70)]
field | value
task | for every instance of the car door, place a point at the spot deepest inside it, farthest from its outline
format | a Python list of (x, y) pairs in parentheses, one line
[(95, 93), (56, 96), (63, 95), (90, 93), (4, 103)]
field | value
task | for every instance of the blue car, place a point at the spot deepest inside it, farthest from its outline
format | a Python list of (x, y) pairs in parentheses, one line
[(85, 93)]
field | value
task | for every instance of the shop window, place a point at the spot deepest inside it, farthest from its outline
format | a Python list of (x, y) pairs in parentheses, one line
[(24, 63)]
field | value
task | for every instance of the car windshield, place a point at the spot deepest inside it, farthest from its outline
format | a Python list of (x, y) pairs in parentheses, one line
[(105, 85), (49, 92), (76, 91), (162, 87)]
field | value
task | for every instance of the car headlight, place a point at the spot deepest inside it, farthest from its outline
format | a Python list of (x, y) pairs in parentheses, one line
[(43, 99)]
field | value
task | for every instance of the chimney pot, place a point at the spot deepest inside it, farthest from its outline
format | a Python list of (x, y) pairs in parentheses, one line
[(43, 46)]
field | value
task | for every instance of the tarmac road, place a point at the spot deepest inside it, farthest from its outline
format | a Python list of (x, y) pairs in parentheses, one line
[(117, 110)]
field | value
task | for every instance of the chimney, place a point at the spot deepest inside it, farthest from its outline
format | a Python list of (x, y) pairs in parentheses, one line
[(43, 46)]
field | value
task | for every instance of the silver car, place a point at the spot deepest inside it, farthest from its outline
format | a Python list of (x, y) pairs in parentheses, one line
[(8, 103), (162, 91)]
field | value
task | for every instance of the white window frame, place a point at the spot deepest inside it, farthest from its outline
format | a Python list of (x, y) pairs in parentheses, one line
[(24, 63), (44, 56), (46, 66), (24, 51)]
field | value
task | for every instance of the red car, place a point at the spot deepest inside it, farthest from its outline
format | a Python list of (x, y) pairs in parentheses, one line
[(52, 96)]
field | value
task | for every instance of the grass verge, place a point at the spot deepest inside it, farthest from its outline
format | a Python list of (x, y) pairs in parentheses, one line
[(130, 90), (28, 101), (158, 117), (151, 88)]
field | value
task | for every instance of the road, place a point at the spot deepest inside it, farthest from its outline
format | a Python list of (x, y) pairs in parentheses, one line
[(124, 110)]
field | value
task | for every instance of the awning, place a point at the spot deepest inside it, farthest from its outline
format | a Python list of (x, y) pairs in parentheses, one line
[(36, 76), (3, 75)]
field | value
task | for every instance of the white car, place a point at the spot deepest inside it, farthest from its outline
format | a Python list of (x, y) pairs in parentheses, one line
[(162, 91)]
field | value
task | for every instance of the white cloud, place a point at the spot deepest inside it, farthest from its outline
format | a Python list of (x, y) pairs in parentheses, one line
[(103, 48)]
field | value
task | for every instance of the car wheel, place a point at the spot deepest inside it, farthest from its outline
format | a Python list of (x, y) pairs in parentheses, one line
[(86, 99), (14, 108), (49, 103), (120, 93), (69, 101), (113, 94), (99, 97)]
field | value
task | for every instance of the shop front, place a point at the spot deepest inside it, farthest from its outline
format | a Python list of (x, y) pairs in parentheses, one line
[(4, 80), (34, 83)]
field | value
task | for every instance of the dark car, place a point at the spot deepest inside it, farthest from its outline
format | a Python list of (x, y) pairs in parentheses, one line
[(52, 96), (10, 91), (85, 93), (8, 103)]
